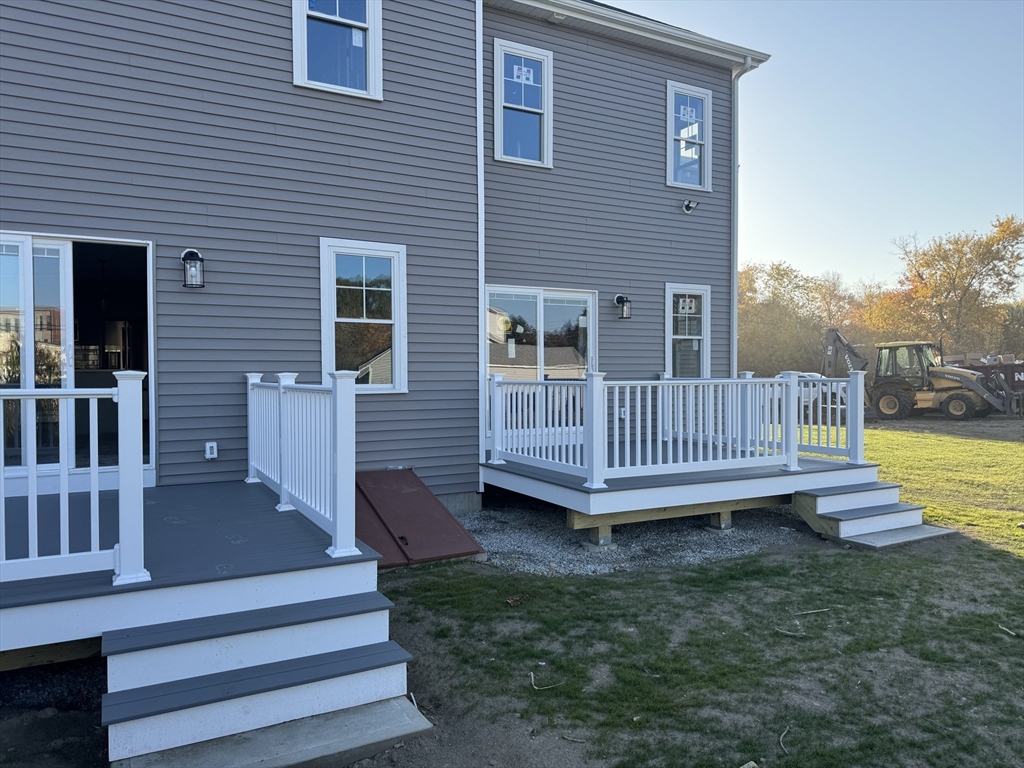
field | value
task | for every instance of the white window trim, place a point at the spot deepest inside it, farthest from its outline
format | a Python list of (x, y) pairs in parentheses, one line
[(328, 308), (690, 90), (705, 356), (501, 47), (374, 75)]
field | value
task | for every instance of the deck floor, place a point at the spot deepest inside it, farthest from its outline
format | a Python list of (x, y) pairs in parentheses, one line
[(193, 533)]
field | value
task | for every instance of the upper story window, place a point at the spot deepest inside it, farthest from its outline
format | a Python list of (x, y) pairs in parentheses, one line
[(336, 46), (362, 310), (689, 137), (522, 104)]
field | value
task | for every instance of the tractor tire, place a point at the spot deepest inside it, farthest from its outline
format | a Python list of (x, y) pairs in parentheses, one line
[(892, 404), (958, 407)]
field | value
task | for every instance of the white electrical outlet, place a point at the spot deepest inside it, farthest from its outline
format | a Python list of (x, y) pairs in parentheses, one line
[(622, 413), (211, 450)]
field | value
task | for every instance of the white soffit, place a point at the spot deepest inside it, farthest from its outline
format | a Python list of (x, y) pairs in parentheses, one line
[(611, 22)]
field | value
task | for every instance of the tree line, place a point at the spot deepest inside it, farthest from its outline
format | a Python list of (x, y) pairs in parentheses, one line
[(963, 289)]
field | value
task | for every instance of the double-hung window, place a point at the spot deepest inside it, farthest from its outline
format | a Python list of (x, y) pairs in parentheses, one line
[(687, 351), (522, 104), (689, 137), (336, 46), (362, 309)]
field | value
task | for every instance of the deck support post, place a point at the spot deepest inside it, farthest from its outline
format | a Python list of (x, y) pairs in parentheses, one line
[(343, 456), (790, 407), (283, 380), (747, 430), (855, 417), (595, 432), (721, 521), (497, 419), (130, 556), (250, 411)]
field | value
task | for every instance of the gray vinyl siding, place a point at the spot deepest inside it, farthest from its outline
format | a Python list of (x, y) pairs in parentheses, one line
[(177, 122), (603, 219)]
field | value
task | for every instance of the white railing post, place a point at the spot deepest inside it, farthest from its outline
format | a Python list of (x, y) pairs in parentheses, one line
[(343, 463), (595, 431), (497, 419), (746, 428), (250, 411), (855, 417), (283, 380), (130, 559), (791, 406)]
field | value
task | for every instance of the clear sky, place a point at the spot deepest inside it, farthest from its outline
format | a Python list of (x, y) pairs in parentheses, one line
[(870, 121)]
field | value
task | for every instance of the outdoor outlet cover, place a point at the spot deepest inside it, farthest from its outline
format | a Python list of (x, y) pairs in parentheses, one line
[(211, 450)]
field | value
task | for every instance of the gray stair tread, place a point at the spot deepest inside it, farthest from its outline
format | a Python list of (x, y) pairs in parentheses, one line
[(206, 627), (341, 737), (135, 703), (862, 512), (839, 490), (882, 539)]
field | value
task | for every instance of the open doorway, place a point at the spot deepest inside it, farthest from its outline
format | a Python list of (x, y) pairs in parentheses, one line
[(111, 334)]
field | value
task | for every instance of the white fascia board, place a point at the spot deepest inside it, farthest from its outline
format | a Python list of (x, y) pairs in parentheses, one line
[(615, 19)]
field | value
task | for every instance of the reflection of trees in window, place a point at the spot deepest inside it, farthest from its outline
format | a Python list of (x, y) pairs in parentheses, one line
[(568, 335), (526, 336)]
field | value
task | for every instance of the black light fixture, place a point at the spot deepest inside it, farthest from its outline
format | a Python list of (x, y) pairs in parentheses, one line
[(625, 307), (689, 206), (192, 261)]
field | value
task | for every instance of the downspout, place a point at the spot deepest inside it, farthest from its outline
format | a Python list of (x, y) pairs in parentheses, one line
[(481, 292), (735, 256)]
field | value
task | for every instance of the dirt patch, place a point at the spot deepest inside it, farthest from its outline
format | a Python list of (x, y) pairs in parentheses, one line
[(1006, 428)]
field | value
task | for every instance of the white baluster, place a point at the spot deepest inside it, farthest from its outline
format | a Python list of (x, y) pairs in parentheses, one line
[(284, 450)]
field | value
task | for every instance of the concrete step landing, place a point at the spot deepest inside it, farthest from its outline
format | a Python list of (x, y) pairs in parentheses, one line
[(897, 536)]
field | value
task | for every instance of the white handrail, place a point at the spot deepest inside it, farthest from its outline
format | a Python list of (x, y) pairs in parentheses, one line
[(127, 557), (301, 444)]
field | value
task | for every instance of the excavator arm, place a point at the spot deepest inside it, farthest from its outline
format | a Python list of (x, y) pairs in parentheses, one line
[(836, 345)]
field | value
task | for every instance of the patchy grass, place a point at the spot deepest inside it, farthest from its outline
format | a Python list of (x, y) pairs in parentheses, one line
[(911, 664)]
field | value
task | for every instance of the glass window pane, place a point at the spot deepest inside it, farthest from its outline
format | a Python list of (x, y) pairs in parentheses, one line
[(352, 9), (512, 335), (378, 305), (366, 348), (513, 93), (532, 97), (335, 54), (350, 304), (566, 329), (47, 317), (687, 163), (686, 357), (532, 72), (348, 270), (522, 134), (10, 318), (378, 272), (511, 62), (330, 7)]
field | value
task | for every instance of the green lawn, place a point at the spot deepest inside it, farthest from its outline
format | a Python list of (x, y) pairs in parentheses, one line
[(912, 663)]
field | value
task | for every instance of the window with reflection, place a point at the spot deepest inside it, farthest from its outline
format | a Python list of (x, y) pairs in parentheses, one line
[(688, 331), (689, 140), (337, 45), (522, 104), (363, 306)]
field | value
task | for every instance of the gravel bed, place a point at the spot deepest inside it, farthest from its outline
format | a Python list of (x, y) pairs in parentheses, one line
[(524, 535)]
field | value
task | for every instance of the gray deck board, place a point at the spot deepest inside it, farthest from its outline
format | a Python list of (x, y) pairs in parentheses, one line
[(206, 627), (150, 700), (193, 533), (841, 490), (575, 482)]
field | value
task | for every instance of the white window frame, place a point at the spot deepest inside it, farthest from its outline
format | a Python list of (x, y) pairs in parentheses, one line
[(501, 47), (329, 307), (705, 353), (706, 148), (374, 75)]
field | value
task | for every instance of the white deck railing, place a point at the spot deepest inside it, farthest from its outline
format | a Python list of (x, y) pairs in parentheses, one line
[(302, 445), (600, 430), (29, 480)]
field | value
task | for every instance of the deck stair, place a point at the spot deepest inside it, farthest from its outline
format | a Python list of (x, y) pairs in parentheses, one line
[(869, 515), (198, 680)]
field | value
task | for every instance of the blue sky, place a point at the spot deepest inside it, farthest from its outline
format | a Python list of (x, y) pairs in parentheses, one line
[(871, 120)]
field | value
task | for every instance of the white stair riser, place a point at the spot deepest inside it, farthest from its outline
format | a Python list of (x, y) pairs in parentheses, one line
[(211, 721), (219, 654), (45, 623), (887, 522), (857, 500)]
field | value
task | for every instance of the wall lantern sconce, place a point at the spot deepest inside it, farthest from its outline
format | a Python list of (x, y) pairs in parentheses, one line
[(689, 206), (625, 307), (192, 261)]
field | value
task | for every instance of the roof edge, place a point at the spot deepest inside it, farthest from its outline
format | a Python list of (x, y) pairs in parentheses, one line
[(665, 34)]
